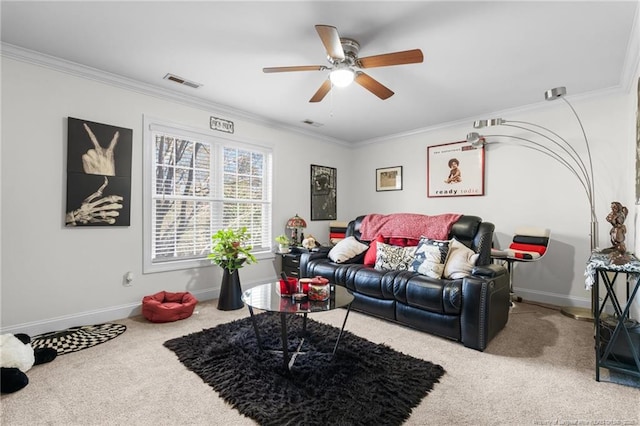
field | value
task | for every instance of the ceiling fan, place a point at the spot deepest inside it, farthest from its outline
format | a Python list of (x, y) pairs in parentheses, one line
[(345, 66)]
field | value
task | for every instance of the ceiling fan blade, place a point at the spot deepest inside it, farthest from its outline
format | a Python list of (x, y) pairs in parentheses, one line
[(322, 91), (373, 86), (331, 40), (397, 58), (299, 68)]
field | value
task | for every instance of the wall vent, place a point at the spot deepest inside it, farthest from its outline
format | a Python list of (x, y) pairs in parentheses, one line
[(180, 80)]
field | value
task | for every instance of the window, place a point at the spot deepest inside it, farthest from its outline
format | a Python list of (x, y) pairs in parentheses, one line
[(195, 184)]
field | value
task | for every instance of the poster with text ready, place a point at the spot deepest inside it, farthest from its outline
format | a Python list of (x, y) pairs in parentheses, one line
[(455, 170)]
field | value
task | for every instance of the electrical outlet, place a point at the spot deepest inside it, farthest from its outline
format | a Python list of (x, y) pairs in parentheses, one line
[(127, 280)]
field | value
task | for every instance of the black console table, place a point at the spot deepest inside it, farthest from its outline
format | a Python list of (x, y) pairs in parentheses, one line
[(621, 351)]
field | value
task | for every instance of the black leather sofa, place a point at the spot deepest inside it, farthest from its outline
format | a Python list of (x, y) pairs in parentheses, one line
[(471, 310)]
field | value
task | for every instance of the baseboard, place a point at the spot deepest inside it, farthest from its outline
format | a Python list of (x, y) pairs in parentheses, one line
[(81, 318), (552, 298), (99, 316)]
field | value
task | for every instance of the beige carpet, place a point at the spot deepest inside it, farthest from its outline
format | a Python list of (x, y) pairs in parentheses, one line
[(539, 370)]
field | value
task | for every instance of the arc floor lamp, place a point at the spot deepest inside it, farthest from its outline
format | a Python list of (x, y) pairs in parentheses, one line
[(556, 147)]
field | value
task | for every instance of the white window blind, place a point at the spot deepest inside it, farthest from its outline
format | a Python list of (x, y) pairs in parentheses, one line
[(199, 184)]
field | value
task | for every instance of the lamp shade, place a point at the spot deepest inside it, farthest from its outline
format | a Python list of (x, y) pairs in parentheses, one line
[(296, 222)]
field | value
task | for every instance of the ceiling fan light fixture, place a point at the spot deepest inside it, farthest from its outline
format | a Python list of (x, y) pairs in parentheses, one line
[(341, 77)]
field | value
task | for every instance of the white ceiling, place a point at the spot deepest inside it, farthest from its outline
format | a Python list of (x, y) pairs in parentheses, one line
[(479, 56)]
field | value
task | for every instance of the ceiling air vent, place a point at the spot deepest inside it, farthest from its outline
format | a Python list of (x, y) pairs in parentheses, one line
[(312, 123), (182, 81)]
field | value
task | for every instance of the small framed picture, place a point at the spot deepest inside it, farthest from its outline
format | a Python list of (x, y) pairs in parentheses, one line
[(455, 170), (389, 179)]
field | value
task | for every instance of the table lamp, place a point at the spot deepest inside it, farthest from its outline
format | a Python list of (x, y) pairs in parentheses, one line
[(296, 223)]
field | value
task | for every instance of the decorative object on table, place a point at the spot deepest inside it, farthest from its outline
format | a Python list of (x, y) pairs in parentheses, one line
[(389, 179), (165, 306), (98, 174), (618, 249), (230, 249), (77, 338), (319, 289), (296, 224), (283, 243), (455, 170), (288, 285), (231, 350), (323, 193), (557, 148), (310, 242)]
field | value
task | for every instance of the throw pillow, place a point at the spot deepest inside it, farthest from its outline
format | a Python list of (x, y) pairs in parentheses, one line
[(393, 258), (347, 249), (461, 260), (430, 257), (372, 252)]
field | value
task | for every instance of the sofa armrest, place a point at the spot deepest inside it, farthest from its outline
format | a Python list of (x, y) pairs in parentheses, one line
[(306, 257), (485, 307), (488, 271)]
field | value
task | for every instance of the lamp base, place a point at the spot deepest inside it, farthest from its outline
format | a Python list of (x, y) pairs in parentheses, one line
[(580, 314)]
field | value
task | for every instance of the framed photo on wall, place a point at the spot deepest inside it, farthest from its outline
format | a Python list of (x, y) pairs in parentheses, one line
[(455, 170), (389, 179), (98, 174), (323, 193)]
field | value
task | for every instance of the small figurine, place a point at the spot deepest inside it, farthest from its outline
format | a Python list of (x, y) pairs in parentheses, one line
[(617, 216)]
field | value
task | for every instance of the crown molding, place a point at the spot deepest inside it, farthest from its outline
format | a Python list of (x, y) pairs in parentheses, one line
[(78, 70)]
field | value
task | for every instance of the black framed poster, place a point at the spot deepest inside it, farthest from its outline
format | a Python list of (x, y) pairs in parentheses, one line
[(323, 193)]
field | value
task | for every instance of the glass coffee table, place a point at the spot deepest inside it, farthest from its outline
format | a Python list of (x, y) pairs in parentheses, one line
[(267, 297)]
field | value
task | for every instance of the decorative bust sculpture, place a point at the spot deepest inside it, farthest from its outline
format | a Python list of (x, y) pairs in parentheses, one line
[(618, 250)]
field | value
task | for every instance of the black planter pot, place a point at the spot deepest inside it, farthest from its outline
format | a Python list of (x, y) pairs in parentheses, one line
[(230, 292)]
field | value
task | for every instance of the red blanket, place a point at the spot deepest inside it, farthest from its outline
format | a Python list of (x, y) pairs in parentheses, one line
[(407, 225)]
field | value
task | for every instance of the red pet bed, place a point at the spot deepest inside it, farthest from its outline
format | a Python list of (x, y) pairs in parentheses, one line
[(167, 307)]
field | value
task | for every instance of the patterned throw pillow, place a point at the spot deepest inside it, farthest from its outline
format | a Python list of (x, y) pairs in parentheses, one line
[(461, 260), (393, 258), (430, 257)]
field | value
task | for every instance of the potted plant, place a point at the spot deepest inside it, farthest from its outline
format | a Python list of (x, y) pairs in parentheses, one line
[(231, 251), (283, 243)]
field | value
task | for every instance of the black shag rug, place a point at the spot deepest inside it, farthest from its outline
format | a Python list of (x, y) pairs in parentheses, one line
[(364, 384)]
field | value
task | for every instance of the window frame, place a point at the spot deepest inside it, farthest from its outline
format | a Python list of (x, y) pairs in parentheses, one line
[(151, 125)]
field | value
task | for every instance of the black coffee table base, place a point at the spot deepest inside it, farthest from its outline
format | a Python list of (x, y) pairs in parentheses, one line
[(289, 359)]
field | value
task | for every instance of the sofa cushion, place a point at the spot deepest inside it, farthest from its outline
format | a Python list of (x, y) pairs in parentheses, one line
[(403, 242), (393, 258), (346, 250), (372, 251), (430, 257), (460, 262)]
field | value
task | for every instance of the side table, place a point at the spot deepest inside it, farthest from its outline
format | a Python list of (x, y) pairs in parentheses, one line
[(291, 264), (599, 268)]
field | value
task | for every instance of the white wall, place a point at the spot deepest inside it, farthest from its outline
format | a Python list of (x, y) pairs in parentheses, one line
[(54, 277), (523, 187)]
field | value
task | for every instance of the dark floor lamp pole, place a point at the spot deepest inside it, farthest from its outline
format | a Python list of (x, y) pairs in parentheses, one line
[(556, 147)]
